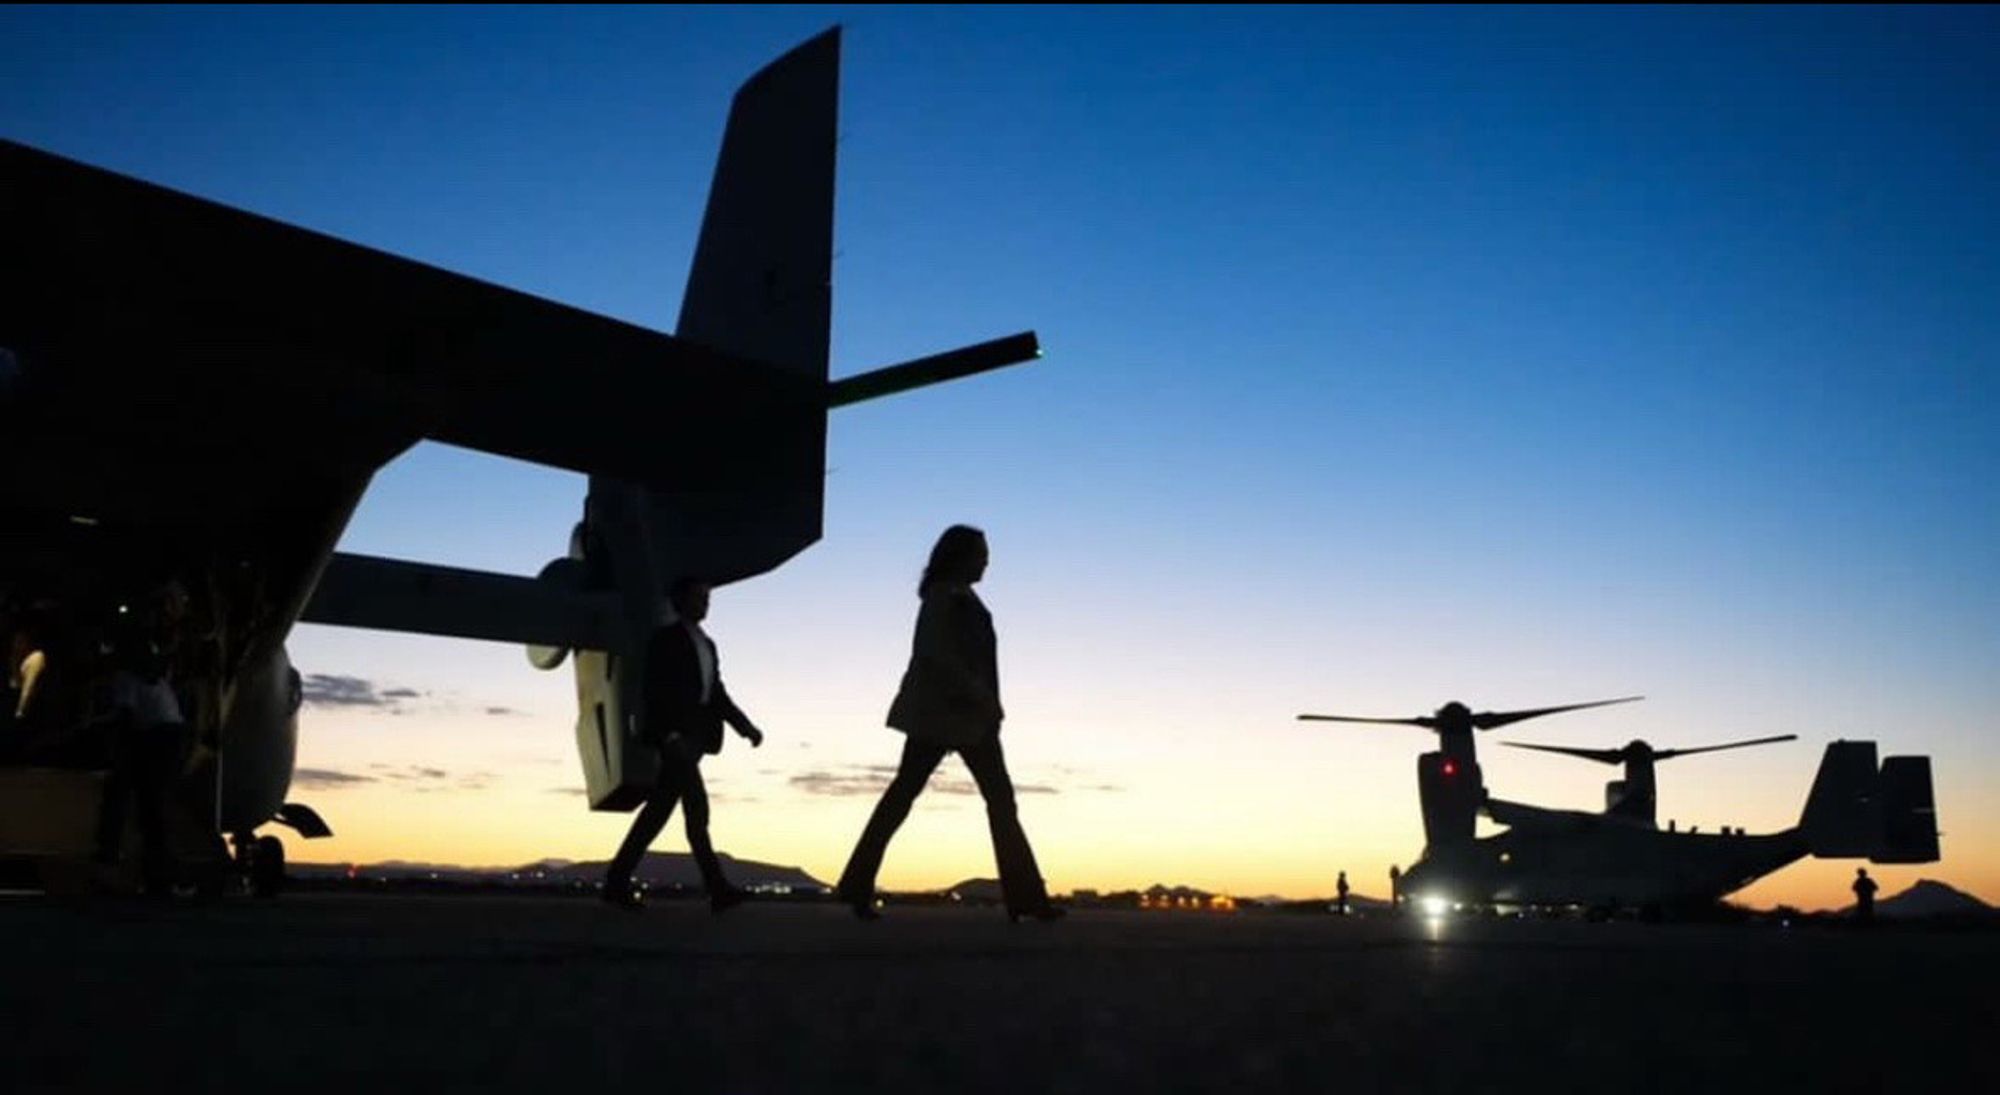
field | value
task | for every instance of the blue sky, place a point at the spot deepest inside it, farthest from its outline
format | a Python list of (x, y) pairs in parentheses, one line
[(1394, 355)]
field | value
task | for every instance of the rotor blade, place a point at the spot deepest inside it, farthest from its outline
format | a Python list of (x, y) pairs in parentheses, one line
[(1665, 754), (1426, 722), (1601, 756), (1489, 720)]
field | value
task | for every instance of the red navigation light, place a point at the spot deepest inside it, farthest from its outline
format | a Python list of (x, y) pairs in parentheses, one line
[(1450, 767)]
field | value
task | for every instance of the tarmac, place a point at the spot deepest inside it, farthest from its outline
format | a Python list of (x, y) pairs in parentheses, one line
[(334, 992)]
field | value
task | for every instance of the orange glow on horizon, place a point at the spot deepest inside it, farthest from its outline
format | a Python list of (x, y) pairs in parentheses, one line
[(1132, 805)]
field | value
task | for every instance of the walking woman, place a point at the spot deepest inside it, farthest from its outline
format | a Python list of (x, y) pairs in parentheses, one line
[(950, 700)]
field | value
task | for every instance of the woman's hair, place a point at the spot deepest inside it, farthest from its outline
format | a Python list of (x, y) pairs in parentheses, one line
[(952, 556)]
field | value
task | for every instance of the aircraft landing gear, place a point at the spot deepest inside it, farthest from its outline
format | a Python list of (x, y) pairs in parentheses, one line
[(261, 859)]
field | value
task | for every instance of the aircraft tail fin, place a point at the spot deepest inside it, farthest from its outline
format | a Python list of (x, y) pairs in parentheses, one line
[(1857, 810), (1841, 816), (760, 289), (761, 283), (1909, 812)]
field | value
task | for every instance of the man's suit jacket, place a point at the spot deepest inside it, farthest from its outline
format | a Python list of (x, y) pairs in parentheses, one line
[(673, 691)]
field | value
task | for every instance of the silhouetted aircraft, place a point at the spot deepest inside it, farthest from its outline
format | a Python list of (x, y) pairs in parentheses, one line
[(1616, 860), (189, 390)]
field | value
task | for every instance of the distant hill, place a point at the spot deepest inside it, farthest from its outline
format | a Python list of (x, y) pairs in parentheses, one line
[(977, 889), (1930, 898), (678, 869)]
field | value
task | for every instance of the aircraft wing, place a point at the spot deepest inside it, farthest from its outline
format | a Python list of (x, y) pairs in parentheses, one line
[(400, 595), (153, 330), (1540, 819)]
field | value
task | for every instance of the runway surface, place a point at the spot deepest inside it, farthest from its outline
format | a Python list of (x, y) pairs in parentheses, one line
[(323, 992)]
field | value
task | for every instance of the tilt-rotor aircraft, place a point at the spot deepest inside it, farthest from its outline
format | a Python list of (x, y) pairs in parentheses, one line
[(191, 392), (1621, 858)]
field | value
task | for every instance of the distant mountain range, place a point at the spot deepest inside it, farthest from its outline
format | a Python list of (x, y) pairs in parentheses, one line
[(656, 869), (1929, 898)]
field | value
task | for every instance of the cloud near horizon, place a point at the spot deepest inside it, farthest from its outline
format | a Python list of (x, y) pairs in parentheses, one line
[(326, 779), (871, 779), (330, 690), (333, 690), (419, 778)]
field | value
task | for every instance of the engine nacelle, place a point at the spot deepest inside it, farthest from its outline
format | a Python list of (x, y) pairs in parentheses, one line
[(1451, 791), (260, 740), (607, 552)]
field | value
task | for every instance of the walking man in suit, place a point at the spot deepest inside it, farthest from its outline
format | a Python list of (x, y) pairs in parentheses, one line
[(684, 708)]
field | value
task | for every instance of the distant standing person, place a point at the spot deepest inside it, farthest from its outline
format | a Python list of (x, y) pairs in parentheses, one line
[(27, 660), (148, 749), (685, 706), (1340, 889), (950, 700), (1864, 896), (1395, 887)]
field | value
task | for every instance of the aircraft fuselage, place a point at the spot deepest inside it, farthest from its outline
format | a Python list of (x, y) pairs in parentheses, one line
[(1607, 865)]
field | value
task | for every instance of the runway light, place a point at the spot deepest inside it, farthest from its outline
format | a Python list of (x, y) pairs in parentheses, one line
[(1433, 905)]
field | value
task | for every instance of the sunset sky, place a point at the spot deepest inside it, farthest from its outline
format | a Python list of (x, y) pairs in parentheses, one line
[(1520, 357)]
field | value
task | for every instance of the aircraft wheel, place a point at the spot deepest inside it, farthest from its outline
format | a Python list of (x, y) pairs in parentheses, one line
[(267, 867)]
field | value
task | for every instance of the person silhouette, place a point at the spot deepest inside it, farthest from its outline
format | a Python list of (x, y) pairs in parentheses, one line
[(949, 700), (1864, 896), (1340, 888), (1395, 887), (29, 699), (685, 705), (147, 747)]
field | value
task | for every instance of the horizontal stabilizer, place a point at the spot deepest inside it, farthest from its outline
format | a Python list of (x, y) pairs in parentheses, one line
[(398, 595), (935, 369)]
